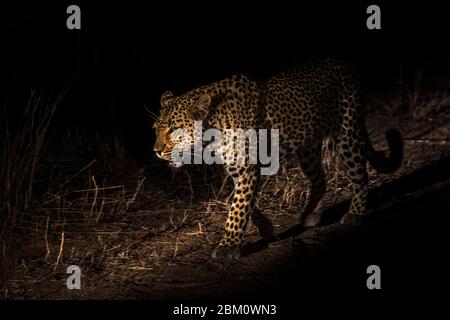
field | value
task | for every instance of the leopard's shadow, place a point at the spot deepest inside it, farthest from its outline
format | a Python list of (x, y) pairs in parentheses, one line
[(422, 178)]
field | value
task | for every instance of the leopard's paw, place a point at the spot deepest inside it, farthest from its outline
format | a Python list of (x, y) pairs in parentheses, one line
[(312, 219), (354, 220), (226, 252)]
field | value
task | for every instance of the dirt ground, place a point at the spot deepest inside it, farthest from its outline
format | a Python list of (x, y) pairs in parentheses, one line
[(148, 233)]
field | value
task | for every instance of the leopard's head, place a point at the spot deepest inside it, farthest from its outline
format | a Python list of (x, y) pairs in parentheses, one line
[(175, 123)]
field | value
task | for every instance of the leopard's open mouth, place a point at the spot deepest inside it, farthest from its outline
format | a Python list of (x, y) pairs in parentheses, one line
[(174, 164), (167, 157)]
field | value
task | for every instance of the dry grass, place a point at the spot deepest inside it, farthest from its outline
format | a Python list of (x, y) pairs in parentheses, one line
[(108, 150), (22, 149), (158, 233)]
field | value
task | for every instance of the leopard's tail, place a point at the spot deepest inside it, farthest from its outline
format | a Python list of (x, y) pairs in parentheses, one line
[(379, 161)]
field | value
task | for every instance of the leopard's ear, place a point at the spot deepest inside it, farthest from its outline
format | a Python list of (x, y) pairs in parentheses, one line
[(165, 98), (200, 109)]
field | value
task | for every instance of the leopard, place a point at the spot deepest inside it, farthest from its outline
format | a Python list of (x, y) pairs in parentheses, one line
[(309, 104)]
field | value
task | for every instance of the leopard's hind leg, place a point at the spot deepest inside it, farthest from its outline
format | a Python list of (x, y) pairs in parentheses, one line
[(351, 147), (311, 164)]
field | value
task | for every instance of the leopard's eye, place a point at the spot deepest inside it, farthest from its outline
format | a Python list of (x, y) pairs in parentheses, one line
[(172, 130)]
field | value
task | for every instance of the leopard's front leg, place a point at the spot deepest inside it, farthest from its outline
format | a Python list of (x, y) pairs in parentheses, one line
[(246, 178)]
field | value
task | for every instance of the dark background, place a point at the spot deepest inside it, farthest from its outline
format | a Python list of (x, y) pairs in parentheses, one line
[(126, 54)]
